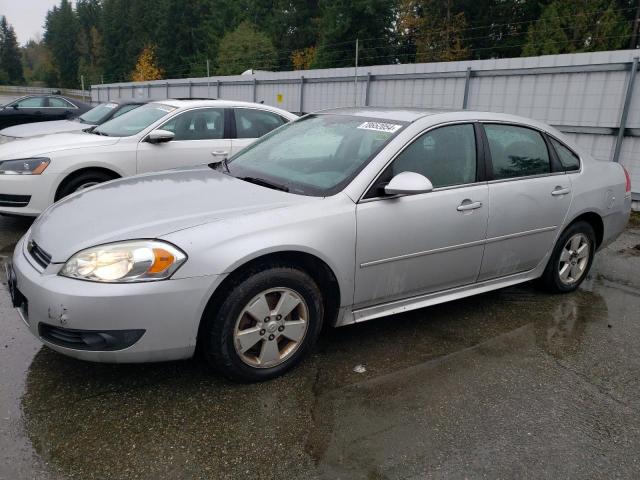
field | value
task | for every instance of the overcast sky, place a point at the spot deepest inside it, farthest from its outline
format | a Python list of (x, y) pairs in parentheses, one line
[(26, 16)]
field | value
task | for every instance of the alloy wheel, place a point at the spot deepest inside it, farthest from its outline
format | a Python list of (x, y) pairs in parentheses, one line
[(271, 327), (574, 259)]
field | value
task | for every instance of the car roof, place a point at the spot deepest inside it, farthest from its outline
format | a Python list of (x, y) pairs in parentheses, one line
[(205, 102), (408, 114), (130, 102), (434, 116)]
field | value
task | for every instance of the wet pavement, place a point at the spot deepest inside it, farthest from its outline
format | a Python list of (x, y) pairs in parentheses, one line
[(514, 383)]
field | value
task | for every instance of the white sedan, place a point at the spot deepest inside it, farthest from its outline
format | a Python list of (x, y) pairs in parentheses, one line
[(36, 172)]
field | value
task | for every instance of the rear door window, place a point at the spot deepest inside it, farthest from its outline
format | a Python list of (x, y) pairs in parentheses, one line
[(517, 151), (56, 102), (251, 123)]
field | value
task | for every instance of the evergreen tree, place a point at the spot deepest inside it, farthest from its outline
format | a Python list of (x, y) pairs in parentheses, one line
[(292, 25), (245, 48), (61, 37), (10, 62), (433, 31), (564, 28), (342, 22), (497, 28)]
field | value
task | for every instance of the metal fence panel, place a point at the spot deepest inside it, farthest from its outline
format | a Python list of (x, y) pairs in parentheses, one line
[(582, 94)]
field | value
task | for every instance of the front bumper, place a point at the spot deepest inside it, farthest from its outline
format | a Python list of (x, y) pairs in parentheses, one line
[(168, 311), (38, 189)]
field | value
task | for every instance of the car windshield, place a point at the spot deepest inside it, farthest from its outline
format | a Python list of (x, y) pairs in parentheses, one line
[(96, 115), (134, 121), (316, 155)]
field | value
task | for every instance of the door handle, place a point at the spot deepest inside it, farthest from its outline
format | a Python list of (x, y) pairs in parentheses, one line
[(560, 191), (468, 205), (220, 153)]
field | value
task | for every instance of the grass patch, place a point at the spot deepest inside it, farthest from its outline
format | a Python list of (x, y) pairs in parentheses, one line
[(634, 221)]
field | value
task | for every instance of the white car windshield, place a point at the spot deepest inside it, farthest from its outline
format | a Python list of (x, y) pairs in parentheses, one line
[(135, 121), (316, 155)]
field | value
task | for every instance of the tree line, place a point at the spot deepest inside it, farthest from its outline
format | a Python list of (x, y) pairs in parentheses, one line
[(120, 40)]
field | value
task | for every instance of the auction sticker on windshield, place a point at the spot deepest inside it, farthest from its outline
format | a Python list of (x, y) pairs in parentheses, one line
[(380, 127)]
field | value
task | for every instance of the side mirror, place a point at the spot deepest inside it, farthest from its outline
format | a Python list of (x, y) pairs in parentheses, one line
[(408, 183), (160, 136), (15, 106)]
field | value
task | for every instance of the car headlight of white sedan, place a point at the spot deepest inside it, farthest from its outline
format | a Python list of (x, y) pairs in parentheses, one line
[(125, 262), (24, 166)]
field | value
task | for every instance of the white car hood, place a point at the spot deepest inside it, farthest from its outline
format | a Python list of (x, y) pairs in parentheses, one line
[(149, 206), (45, 144), (43, 128)]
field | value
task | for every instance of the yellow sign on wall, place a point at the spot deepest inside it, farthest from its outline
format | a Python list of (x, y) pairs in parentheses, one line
[(280, 97)]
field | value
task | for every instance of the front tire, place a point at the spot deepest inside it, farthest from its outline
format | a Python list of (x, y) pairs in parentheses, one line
[(571, 259), (265, 326), (81, 181)]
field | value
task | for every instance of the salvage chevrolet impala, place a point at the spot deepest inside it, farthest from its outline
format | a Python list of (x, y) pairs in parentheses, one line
[(337, 218)]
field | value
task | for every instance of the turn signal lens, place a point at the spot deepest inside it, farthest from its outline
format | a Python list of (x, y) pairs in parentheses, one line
[(162, 260), (134, 261)]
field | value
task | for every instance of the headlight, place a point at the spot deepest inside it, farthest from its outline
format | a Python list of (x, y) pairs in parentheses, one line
[(133, 261), (24, 166)]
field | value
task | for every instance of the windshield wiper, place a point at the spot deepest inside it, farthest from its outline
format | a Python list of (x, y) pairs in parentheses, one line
[(98, 132), (264, 183)]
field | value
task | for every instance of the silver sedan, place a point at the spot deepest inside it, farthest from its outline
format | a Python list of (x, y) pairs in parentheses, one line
[(337, 218)]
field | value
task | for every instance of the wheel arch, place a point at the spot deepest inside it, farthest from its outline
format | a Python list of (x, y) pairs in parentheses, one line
[(73, 174), (596, 222), (313, 265)]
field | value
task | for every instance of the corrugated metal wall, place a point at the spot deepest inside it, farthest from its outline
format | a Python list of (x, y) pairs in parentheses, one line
[(582, 94)]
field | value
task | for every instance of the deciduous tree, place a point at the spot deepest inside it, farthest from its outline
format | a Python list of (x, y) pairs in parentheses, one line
[(245, 48), (146, 66)]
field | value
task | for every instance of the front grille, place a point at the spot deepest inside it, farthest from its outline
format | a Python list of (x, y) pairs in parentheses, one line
[(41, 257), (107, 340), (14, 200)]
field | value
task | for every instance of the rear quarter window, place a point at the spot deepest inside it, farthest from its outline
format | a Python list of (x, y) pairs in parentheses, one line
[(569, 160)]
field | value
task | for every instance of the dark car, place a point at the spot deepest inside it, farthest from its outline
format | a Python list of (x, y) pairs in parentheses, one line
[(96, 116), (40, 108)]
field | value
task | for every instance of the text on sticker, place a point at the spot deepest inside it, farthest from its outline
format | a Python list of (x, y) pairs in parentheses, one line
[(380, 127)]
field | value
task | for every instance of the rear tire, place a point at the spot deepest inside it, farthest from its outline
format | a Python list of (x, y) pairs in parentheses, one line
[(264, 326), (81, 181), (571, 259)]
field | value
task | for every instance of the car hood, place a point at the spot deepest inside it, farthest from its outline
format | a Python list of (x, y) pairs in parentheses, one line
[(149, 206), (46, 144), (43, 128)]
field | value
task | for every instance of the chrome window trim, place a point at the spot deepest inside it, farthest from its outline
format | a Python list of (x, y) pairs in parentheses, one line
[(72, 105), (528, 177), (406, 145)]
